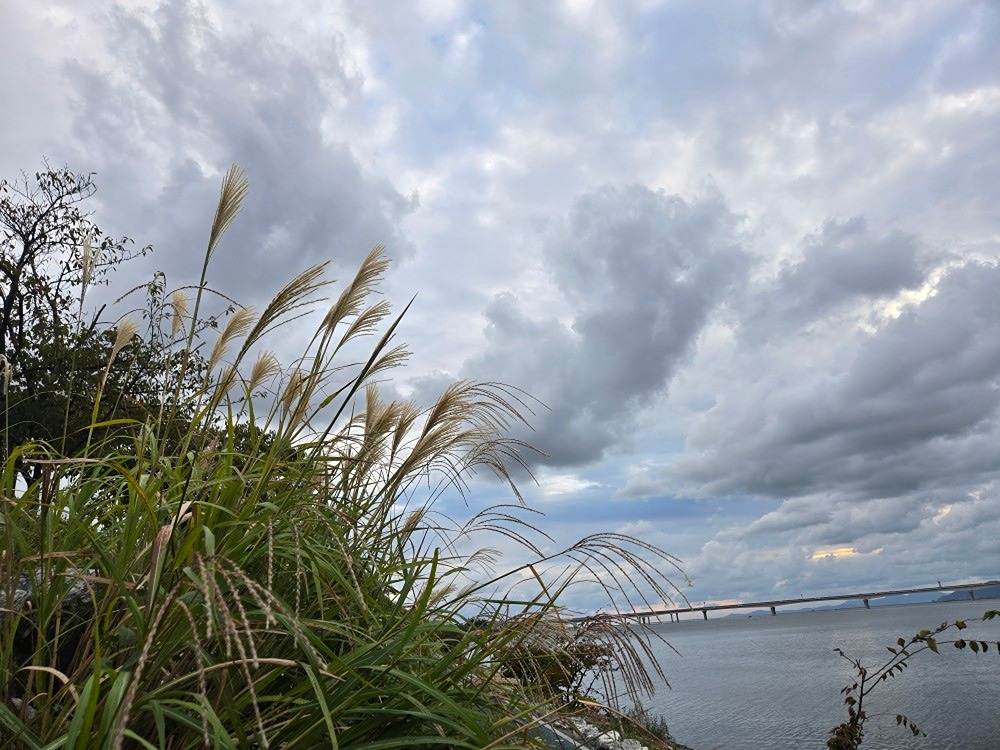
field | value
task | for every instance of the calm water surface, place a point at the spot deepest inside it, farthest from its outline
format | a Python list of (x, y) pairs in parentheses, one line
[(773, 683)]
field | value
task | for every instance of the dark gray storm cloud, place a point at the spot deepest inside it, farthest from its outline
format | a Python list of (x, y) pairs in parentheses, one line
[(638, 273), (841, 265), (910, 406), (181, 98)]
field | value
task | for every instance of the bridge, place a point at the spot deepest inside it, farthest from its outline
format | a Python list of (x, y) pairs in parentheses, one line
[(674, 613)]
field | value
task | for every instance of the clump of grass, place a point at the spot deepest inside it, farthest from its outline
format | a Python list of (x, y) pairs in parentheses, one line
[(651, 723), (271, 572)]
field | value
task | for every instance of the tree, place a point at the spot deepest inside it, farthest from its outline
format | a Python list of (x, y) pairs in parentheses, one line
[(56, 354)]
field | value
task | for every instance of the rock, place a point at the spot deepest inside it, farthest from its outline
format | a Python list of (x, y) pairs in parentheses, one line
[(610, 740), (77, 611), (587, 729)]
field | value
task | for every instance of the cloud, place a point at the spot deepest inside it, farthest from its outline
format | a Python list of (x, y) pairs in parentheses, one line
[(844, 265), (810, 357), (179, 93), (910, 406), (554, 485), (897, 542), (637, 273)]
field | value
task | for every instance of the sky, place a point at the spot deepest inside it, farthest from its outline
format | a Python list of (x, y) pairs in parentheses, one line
[(745, 253)]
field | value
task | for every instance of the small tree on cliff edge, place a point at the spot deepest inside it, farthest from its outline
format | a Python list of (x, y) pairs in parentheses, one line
[(54, 349)]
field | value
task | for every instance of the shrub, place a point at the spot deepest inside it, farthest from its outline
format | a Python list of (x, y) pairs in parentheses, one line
[(850, 734)]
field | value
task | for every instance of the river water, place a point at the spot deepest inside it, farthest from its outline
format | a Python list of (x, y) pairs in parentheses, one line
[(773, 683)]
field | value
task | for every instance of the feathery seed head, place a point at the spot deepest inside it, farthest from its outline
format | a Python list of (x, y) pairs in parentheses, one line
[(225, 382), (234, 189), (235, 327), (179, 303), (351, 300), (89, 261), (296, 294), (265, 368), (127, 330), (296, 382)]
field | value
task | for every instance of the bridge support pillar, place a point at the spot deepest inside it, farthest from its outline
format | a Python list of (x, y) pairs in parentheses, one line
[(867, 605), (972, 594), (704, 612), (773, 613)]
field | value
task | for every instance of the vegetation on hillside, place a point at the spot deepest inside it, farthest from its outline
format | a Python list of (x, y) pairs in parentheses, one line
[(205, 547)]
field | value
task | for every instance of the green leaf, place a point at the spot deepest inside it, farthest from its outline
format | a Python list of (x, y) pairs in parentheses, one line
[(321, 700), (932, 645), (83, 714), (145, 743), (209, 541), (113, 701), (17, 729)]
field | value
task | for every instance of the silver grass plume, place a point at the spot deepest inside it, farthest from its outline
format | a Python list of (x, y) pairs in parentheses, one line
[(296, 294), (293, 390), (88, 264), (127, 331), (225, 382), (237, 325), (179, 303), (265, 368), (351, 300), (234, 189)]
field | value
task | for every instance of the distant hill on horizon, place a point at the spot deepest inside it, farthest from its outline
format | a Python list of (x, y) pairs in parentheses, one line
[(990, 592)]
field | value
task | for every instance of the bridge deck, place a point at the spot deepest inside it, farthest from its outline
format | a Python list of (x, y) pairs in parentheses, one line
[(772, 603)]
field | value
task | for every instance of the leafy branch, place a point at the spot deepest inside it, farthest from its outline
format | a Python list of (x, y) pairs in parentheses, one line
[(848, 735)]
